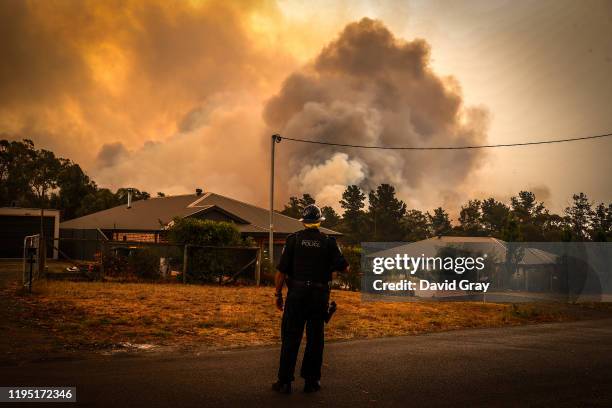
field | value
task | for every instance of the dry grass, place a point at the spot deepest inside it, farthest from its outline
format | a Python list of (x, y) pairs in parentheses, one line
[(101, 315)]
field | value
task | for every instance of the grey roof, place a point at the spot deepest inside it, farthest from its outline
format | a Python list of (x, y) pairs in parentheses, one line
[(493, 247), (155, 213)]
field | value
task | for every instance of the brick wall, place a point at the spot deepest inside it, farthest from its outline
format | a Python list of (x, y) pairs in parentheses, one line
[(135, 236)]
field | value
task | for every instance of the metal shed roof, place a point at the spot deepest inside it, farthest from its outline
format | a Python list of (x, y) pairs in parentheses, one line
[(496, 248)]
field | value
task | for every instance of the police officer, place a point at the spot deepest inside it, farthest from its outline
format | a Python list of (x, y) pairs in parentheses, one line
[(308, 260)]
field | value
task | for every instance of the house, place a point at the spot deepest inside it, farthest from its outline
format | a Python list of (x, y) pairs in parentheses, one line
[(146, 220), (16, 223), (533, 269)]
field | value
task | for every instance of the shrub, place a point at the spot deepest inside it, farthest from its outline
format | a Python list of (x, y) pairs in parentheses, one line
[(194, 231), (144, 263), (208, 264), (351, 280), (134, 263)]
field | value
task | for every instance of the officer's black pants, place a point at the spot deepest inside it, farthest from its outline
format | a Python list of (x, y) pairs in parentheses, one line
[(304, 306)]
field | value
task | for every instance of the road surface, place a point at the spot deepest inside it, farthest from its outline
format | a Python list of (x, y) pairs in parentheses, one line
[(567, 364)]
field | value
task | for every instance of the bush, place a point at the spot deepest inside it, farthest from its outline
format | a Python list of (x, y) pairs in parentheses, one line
[(194, 231), (139, 262), (209, 264), (144, 263), (352, 279)]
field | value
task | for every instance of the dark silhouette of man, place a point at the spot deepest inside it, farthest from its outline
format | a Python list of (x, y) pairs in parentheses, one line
[(307, 264)]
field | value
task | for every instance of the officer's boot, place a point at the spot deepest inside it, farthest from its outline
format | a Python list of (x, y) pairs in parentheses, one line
[(312, 386), (282, 388)]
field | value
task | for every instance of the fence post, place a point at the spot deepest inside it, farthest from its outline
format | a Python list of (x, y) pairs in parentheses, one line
[(102, 256), (258, 267), (42, 256), (31, 262), (185, 261)]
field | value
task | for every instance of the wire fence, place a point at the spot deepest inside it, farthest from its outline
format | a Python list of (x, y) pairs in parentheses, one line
[(222, 264), (101, 259)]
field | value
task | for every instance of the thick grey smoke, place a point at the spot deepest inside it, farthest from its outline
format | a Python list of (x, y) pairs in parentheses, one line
[(368, 87), (111, 153)]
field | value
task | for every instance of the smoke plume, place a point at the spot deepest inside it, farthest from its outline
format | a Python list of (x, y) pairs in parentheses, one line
[(169, 96), (369, 88)]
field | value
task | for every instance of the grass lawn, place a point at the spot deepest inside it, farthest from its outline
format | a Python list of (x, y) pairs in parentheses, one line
[(104, 315)]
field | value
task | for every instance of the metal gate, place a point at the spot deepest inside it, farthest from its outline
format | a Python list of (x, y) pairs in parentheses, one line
[(31, 245)]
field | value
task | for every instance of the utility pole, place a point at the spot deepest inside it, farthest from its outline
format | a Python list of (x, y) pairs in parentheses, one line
[(275, 139), (42, 243), (185, 262)]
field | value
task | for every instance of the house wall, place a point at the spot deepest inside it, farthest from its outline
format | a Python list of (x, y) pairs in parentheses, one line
[(80, 244)]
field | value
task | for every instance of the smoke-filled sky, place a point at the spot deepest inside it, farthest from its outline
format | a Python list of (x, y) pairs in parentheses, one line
[(169, 96)]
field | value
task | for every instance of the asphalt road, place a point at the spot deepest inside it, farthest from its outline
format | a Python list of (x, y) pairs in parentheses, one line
[(567, 364)]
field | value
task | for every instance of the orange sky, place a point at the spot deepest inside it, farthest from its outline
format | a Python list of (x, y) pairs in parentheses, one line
[(169, 96)]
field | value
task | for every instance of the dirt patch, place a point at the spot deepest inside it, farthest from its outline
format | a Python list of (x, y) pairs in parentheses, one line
[(24, 338)]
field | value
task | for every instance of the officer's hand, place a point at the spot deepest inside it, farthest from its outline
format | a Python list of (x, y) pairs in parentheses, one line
[(279, 301)]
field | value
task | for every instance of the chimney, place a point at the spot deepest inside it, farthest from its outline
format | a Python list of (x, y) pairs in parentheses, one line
[(198, 191), (129, 198)]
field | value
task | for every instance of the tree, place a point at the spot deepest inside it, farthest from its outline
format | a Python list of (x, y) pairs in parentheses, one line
[(470, 221), (74, 185), (416, 226), (578, 217), (306, 200), (122, 195), (494, 215), (601, 223), (37, 178), (332, 219), (385, 213), (512, 230), (353, 202), (43, 174), (525, 207), (514, 251), (98, 200), (292, 209), (15, 165), (555, 228), (440, 223), (296, 205), (530, 215)]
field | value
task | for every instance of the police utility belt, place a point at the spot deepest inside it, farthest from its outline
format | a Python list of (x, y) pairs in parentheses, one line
[(292, 283)]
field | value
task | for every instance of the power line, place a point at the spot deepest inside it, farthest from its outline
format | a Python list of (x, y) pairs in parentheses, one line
[(279, 138)]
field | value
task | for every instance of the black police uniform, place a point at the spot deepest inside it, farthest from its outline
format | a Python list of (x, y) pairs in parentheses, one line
[(308, 260)]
